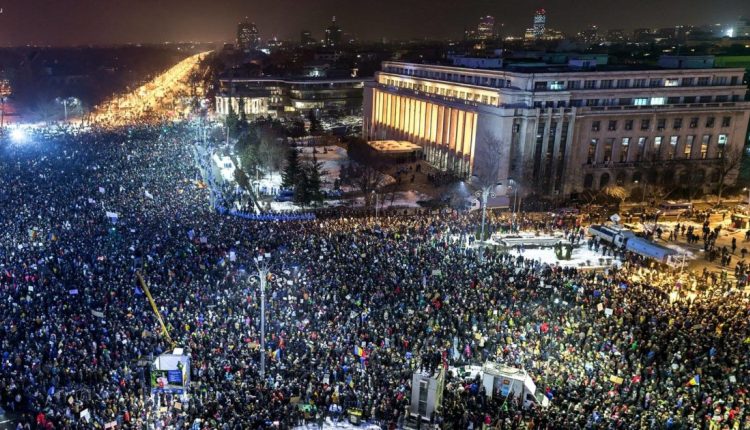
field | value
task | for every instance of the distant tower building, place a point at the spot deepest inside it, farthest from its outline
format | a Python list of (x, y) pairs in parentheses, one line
[(742, 29), (333, 34), (248, 37), (589, 35), (616, 35), (540, 22), (486, 28), (306, 38)]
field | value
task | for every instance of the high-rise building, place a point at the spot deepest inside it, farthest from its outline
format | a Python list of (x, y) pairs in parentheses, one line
[(486, 28), (616, 36), (563, 130), (306, 38), (333, 34), (248, 37), (742, 28), (540, 23), (643, 35), (589, 35)]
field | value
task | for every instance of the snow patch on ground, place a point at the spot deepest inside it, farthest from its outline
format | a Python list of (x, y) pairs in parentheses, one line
[(581, 257), (328, 424)]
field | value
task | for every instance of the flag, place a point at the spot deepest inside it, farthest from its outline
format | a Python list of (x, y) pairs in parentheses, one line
[(635, 379), (149, 195), (277, 355), (138, 291), (695, 381), (358, 351)]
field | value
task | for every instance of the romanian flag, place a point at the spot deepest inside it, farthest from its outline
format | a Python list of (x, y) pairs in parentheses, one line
[(695, 381), (358, 351)]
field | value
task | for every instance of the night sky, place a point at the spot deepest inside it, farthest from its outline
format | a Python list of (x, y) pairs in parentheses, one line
[(69, 22)]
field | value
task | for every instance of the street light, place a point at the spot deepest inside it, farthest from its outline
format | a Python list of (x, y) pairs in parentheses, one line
[(376, 203), (65, 101), (514, 185), (262, 263), (485, 192)]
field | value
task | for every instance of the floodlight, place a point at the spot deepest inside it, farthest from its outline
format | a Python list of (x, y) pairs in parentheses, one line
[(18, 135)]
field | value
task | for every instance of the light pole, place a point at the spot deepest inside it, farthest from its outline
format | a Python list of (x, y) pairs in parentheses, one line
[(262, 263), (65, 101), (376, 203), (485, 193), (514, 185)]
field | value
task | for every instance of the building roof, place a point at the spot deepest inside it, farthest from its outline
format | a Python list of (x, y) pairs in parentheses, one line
[(393, 146), (297, 80), (543, 67)]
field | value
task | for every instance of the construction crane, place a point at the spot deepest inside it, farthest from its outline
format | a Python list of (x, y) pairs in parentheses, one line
[(145, 289)]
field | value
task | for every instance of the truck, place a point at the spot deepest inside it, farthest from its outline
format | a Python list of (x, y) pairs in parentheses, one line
[(627, 239), (500, 380)]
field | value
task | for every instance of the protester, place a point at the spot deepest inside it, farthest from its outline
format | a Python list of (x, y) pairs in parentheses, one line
[(355, 306)]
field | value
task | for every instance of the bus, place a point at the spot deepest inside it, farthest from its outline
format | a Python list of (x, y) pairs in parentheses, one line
[(673, 208)]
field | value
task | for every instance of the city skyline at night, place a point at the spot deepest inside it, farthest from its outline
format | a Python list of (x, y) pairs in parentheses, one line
[(80, 22)]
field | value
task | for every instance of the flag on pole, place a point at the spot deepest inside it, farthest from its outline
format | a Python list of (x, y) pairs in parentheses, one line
[(358, 351), (696, 380)]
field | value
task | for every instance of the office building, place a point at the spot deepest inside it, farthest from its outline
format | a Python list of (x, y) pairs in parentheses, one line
[(540, 22), (486, 28), (742, 28), (565, 128), (306, 38), (333, 34), (589, 35), (643, 35), (288, 96), (616, 36), (248, 37)]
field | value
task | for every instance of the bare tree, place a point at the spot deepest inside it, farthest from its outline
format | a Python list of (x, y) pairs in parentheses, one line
[(366, 179), (487, 160), (271, 152), (729, 161)]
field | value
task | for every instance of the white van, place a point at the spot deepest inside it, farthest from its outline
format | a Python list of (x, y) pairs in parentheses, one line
[(505, 381)]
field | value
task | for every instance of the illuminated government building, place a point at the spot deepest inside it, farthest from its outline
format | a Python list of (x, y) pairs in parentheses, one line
[(567, 128)]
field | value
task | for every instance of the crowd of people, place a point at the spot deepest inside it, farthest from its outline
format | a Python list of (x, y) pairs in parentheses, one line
[(355, 306)]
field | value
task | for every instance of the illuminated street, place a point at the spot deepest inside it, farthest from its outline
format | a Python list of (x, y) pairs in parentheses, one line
[(166, 97)]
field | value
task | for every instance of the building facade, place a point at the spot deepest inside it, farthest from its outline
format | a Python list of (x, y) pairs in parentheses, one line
[(486, 28), (563, 129), (279, 96), (248, 37), (540, 23), (333, 34)]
